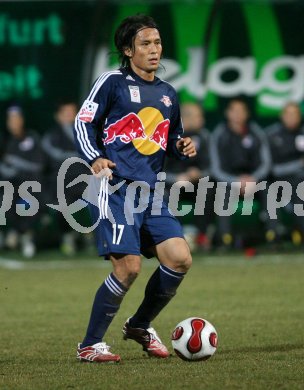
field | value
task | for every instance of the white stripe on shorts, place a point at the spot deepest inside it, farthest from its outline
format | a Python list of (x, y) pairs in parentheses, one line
[(103, 198)]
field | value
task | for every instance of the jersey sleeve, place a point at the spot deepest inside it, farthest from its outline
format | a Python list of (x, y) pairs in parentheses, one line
[(176, 131), (90, 117)]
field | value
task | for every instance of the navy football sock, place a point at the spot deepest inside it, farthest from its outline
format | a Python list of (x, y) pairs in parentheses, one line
[(160, 289), (106, 304)]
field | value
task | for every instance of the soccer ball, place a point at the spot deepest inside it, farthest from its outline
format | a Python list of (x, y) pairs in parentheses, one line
[(194, 339)]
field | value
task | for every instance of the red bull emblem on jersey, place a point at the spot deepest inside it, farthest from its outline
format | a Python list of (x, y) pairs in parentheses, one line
[(160, 134), (166, 100), (147, 130), (87, 111), (126, 129)]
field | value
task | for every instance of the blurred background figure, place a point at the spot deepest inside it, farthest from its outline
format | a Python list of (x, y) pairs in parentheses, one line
[(58, 145), (192, 170), (22, 160), (286, 140), (2, 149), (239, 152)]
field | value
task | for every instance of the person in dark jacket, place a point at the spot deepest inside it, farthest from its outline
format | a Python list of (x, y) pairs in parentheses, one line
[(22, 160), (58, 145), (239, 152), (190, 171), (286, 140)]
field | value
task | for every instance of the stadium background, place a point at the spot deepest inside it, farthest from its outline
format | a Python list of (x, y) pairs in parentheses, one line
[(254, 302), (213, 50)]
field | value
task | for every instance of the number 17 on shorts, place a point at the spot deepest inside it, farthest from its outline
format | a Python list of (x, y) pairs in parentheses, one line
[(117, 233)]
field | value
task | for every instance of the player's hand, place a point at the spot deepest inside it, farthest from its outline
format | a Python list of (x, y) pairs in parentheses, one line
[(102, 167), (186, 147)]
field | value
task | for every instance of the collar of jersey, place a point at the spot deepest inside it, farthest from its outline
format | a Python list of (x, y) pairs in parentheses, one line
[(139, 79)]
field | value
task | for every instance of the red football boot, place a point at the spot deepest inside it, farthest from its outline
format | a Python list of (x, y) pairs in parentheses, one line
[(98, 353), (148, 338)]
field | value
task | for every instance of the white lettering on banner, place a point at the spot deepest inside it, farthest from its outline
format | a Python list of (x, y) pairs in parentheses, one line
[(272, 92), (278, 195)]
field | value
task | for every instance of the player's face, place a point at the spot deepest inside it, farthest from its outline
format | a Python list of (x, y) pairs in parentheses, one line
[(146, 53)]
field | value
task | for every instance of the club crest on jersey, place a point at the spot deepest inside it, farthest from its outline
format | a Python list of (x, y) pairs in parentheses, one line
[(134, 93), (166, 100), (87, 111)]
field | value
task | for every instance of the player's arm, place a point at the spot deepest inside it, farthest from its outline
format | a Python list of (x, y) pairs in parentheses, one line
[(178, 146), (85, 129), (89, 117)]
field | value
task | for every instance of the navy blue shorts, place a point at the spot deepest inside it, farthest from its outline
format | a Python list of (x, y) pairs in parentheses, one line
[(131, 218)]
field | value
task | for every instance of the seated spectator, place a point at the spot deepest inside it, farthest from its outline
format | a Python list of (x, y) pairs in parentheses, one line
[(22, 160), (239, 152), (286, 140), (58, 145), (194, 169)]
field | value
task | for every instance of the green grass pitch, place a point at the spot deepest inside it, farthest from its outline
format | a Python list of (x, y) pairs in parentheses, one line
[(255, 304)]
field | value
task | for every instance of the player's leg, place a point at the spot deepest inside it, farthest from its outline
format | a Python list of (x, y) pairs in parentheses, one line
[(105, 306), (115, 239), (164, 237), (110, 295), (175, 260)]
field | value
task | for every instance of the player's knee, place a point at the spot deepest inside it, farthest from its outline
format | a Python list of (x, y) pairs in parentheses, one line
[(185, 261), (182, 260), (131, 273), (130, 278), (176, 255), (127, 268), (131, 270)]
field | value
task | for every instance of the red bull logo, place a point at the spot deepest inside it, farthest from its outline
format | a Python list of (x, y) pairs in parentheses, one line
[(147, 130), (160, 135), (126, 129)]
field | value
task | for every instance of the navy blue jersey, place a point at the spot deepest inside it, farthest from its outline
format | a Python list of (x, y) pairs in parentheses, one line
[(130, 121)]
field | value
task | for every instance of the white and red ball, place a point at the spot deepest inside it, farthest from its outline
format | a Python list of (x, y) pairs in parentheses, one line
[(194, 339)]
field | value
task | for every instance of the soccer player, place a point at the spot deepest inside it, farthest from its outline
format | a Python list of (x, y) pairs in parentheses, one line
[(129, 122)]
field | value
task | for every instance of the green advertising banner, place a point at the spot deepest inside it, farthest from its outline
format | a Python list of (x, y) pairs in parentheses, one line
[(213, 51)]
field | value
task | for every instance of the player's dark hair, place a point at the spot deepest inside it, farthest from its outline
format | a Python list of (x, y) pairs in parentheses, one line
[(126, 32)]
